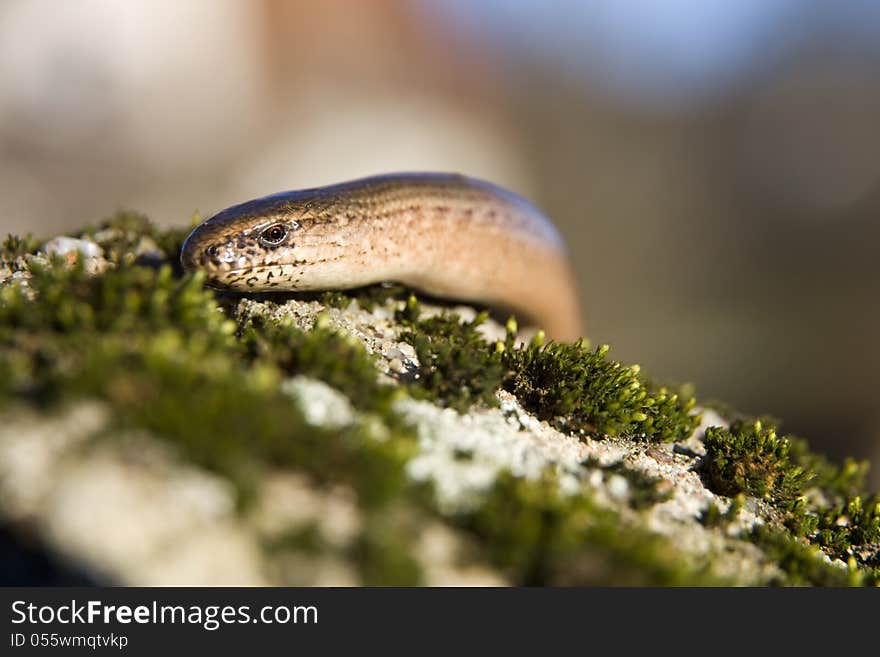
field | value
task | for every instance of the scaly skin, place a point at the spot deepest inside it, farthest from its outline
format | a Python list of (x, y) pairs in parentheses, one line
[(445, 234)]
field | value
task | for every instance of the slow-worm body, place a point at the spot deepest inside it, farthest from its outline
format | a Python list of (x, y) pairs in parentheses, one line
[(445, 234)]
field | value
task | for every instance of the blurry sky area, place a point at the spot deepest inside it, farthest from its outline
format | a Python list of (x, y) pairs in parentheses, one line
[(666, 54), (713, 165)]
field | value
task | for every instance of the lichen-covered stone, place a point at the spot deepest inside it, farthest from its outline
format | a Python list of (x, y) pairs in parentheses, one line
[(155, 432)]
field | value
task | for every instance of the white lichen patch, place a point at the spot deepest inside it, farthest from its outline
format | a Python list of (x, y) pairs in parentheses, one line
[(462, 455), (63, 246), (320, 404)]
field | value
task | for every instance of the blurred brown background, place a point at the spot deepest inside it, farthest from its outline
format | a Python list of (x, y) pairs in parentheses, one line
[(714, 165)]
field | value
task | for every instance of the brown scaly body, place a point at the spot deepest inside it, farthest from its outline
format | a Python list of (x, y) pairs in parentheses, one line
[(445, 234)]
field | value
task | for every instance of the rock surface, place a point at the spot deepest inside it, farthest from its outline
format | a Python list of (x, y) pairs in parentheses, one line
[(489, 496)]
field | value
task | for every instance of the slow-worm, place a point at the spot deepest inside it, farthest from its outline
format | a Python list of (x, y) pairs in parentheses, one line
[(445, 234)]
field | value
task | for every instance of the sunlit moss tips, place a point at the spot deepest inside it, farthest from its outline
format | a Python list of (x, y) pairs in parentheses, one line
[(750, 458), (579, 390)]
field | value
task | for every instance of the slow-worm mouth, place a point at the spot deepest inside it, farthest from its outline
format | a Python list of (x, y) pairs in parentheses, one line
[(243, 279), (258, 269)]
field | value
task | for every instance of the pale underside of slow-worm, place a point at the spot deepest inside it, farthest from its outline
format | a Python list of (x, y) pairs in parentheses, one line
[(445, 234)]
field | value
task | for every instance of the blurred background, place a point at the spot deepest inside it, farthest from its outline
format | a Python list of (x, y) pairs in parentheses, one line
[(713, 165)]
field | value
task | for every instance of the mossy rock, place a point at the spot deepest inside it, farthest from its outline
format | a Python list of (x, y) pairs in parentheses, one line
[(157, 432)]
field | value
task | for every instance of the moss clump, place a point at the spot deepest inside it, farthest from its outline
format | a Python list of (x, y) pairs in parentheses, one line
[(382, 553), (15, 247), (56, 334), (802, 564), (320, 353), (579, 390), (844, 529), (237, 423), (575, 389), (750, 458), (539, 536), (306, 538), (71, 301), (457, 367), (838, 482)]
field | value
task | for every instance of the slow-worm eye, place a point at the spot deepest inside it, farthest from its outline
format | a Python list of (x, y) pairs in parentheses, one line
[(273, 235)]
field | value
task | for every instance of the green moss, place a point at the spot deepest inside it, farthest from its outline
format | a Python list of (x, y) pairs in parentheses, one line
[(538, 536), (575, 389), (799, 517), (239, 426), (580, 391), (52, 331), (802, 564), (69, 300), (16, 247), (321, 353), (843, 529), (335, 299), (750, 458), (837, 482), (160, 351), (457, 367), (410, 313)]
